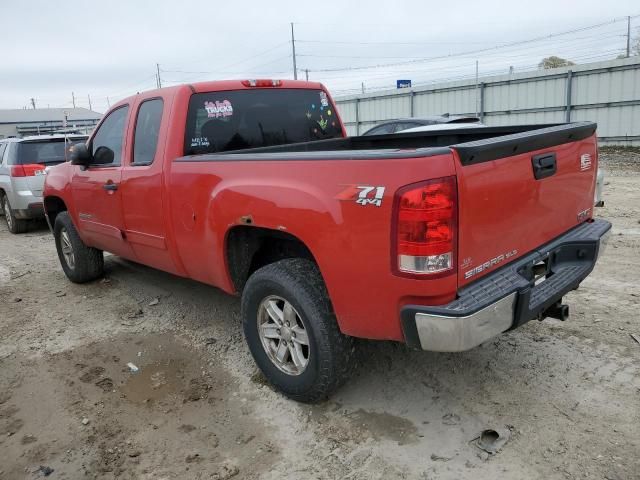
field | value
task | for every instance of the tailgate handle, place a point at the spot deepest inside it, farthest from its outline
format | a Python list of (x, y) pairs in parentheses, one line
[(544, 165)]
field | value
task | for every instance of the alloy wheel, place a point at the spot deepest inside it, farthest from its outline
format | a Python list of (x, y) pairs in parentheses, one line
[(67, 248), (283, 335)]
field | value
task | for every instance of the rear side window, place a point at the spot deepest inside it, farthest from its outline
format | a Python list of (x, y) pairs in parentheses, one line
[(406, 125), (106, 146), (237, 119), (382, 129), (145, 141), (44, 152)]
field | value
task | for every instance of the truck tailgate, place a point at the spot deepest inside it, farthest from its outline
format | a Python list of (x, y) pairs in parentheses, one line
[(504, 210)]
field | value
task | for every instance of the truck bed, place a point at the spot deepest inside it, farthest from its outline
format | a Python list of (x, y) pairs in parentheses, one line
[(473, 144)]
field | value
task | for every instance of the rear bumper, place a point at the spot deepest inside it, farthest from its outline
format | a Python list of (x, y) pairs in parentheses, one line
[(509, 297), (33, 210)]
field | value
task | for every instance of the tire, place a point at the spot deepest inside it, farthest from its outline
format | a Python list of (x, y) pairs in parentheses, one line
[(324, 363), (15, 225), (86, 263)]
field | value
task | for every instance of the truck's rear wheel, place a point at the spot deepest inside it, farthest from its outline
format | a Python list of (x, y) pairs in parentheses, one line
[(292, 332), (79, 262), (15, 225)]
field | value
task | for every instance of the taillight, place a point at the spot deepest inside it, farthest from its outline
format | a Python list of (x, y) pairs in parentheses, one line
[(262, 82), (30, 170), (425, 216)]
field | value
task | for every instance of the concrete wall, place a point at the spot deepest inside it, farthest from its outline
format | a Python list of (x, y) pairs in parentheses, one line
[(605, 92)]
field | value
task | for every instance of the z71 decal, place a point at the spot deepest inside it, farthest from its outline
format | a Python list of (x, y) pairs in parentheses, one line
[(363, 194)]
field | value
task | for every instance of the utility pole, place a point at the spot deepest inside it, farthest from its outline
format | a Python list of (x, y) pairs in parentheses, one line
[(89, 98), (306, 72), (362, 85), (293, 48), (158, 73), (628, 36), (477, 111), (73, 100), (108, 103), (33, 103)]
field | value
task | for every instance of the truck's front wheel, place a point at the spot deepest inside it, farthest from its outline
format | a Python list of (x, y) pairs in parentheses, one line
[(292, 332), (79, 262)]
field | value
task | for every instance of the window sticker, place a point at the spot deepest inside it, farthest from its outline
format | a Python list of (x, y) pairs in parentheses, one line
[(218, 109), (323, 123), (200, 142), (324, 100)]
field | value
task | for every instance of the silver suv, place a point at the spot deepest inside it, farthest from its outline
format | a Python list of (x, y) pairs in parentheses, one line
[(23, 162)]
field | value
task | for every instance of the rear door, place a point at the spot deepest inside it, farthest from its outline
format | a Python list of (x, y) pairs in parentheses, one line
[(142, 184), (511, 205), (96, 189)]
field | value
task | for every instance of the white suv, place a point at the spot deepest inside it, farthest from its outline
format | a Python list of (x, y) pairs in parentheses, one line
[(23, 162)]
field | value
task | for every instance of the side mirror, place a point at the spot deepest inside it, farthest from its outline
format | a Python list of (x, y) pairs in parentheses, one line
[(103, 156), (80, 155)]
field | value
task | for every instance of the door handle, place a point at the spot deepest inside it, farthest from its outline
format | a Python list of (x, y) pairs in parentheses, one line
[(544, 165), (110, 186)]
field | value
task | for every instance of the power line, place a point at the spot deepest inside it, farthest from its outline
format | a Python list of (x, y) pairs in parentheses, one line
[(243, 72), (471, 52), (524, 68), (390, 43), (238, 62)]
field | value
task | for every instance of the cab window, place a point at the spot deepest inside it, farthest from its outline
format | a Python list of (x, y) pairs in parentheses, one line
[(106, 146), (145, 141), (233, 120)]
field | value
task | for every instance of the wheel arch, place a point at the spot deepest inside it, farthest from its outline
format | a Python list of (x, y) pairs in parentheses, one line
[(53, 205), (248, 248)]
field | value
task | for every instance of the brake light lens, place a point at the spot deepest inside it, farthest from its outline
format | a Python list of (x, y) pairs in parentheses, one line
[(262, 82), (30, 170), (426, 227)]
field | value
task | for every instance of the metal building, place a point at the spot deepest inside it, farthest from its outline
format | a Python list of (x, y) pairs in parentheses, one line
[(605, 92), (23, 122)]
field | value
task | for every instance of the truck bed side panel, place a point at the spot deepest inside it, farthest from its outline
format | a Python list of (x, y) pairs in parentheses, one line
[(350, 242)]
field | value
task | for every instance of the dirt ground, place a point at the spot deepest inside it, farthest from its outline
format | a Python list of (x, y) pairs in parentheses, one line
[(567, 394)]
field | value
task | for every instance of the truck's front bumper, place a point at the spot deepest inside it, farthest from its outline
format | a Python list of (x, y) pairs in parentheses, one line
[(509, 297)]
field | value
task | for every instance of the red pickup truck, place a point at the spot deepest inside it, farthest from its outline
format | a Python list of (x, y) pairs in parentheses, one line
[(441, 239)]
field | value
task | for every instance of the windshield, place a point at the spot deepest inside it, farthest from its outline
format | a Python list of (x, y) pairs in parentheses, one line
[(237, 119), (45, 152)]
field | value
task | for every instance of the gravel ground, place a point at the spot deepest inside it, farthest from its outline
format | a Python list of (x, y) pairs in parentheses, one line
[(567, 394)]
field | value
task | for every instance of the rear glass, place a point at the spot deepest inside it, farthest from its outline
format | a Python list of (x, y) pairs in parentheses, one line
[(45, 152), (237, 119)]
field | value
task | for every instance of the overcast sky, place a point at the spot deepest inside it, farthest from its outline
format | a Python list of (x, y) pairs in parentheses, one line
[(109, 49)]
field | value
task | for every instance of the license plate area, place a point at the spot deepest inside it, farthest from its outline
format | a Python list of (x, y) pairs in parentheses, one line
[(537, 271)]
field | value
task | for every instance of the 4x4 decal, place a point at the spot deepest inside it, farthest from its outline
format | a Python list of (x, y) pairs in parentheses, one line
[(363, 194)]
